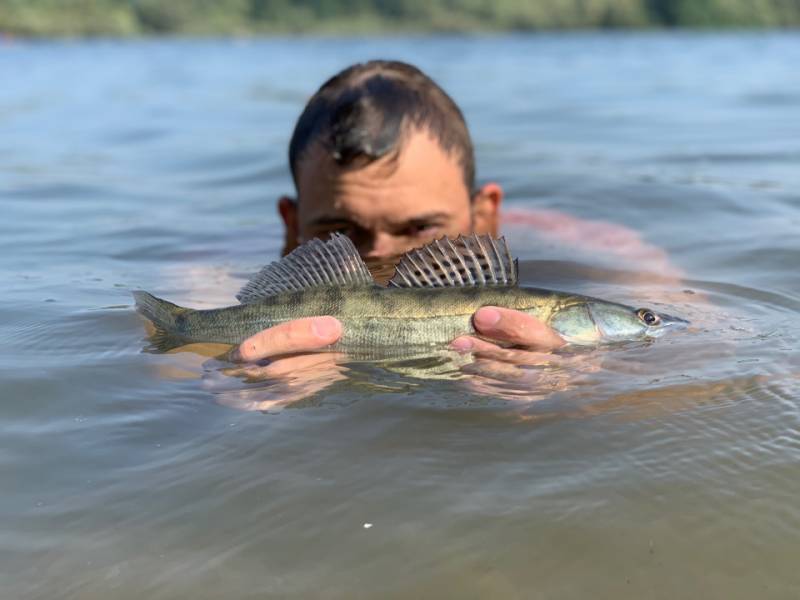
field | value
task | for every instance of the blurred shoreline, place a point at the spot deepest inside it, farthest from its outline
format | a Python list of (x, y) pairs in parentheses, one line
[(136, 18)]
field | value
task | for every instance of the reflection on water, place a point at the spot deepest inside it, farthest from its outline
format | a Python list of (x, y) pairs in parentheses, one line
[(662, 470)]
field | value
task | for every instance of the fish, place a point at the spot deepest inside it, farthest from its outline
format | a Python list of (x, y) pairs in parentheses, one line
[(427, 303)]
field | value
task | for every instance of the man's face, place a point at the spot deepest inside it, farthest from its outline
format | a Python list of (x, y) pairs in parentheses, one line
[(389, 206)]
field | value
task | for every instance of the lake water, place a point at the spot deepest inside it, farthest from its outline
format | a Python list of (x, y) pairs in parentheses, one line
[(670, 470)]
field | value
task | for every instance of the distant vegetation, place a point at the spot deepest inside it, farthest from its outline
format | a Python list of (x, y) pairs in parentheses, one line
[(135, 17)]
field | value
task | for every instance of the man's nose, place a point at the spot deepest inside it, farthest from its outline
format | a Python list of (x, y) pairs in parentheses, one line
[(380, 245)]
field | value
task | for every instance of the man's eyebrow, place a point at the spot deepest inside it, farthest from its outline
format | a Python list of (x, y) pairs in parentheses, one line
[(416, 219), (424, 218), (330, 220)]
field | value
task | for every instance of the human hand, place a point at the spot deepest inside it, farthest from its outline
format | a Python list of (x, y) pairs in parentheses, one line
[(522, 376), (285, 381), (292, 337), (293, 373), (509, 327), (533, 343)]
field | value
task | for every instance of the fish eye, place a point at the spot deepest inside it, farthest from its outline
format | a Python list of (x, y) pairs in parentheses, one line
[(648, 317)]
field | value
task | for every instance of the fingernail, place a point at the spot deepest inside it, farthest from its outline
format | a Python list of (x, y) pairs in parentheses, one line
[(486, 317), (325, 327), (461, 345)]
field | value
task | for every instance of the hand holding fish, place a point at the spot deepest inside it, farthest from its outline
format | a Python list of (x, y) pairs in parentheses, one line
[(300, 373), (283, 381), (510, 327), (292, 337), (428, 303)]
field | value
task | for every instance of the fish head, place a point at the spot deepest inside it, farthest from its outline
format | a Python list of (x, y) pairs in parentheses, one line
[(589, 323)]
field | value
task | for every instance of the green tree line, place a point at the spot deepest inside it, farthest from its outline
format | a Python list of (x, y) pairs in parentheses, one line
[(135, 17)]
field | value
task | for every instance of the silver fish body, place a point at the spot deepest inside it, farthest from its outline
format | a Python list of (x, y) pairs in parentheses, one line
[(429, 301), (384, 318)]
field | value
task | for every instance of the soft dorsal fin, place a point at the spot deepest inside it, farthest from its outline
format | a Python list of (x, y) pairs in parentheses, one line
[(475, 260), (335, 262)]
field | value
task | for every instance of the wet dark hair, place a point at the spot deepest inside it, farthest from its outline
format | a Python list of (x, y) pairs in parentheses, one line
[(363, 113)]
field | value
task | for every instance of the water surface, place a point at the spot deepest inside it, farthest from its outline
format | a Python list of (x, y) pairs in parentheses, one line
[(647, 471)]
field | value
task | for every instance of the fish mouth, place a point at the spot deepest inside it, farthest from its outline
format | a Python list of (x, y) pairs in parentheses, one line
[(668, 324), (673, 322)]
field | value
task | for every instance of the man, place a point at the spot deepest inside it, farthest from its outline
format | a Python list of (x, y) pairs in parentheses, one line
[(382, 154)]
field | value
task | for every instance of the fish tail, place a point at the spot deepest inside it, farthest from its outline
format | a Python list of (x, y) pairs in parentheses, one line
[(164, 316)]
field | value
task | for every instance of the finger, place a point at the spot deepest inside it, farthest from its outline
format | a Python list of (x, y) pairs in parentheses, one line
[(524, 383), (292, 395), (266, 400), (300, 335), (483, 349), (516, 328), (493, 369), (280, 390), (316, 366), (520, 357), (468, 343), (307, 366)]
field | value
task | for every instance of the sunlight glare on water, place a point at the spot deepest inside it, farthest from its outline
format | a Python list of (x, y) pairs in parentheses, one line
[(660, 470)]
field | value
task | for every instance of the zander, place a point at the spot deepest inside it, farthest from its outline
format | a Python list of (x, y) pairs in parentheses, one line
[(428, 302)]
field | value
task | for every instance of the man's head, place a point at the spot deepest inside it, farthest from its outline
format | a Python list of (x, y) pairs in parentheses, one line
[(383, 154)]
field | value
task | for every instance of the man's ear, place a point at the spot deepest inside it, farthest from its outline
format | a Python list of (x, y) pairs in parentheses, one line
[(287, 207), (486, 209)]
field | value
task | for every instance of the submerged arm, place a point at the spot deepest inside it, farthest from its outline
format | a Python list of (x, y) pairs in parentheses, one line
[(594, 235)]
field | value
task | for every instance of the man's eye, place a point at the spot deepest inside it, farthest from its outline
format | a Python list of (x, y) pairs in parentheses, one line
[(421, 229)]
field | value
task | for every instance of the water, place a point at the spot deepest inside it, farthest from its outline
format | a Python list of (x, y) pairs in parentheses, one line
[(663, 471)]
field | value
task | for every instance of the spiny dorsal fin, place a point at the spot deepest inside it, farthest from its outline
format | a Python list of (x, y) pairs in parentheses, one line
[(335, 262), (475, 260)]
